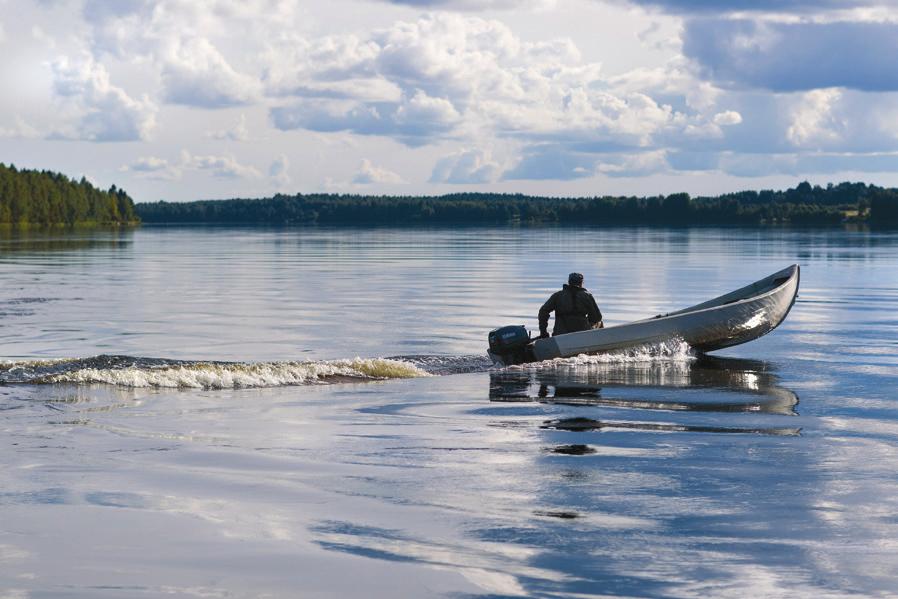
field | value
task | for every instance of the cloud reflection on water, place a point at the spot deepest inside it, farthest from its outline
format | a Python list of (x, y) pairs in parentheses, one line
[(578, 507)]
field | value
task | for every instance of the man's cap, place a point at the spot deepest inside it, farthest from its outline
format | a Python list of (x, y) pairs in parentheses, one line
[(576, 279)]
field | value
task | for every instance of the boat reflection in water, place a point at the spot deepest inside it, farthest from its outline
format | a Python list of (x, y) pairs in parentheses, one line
[(704, 384)]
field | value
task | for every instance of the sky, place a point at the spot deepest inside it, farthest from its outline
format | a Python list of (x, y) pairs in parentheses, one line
[(183, 100)]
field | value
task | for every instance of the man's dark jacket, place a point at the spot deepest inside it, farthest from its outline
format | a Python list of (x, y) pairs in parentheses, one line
[(575, 310)]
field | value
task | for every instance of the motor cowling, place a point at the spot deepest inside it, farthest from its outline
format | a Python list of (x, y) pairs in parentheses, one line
[(510, 343), (507, 339)]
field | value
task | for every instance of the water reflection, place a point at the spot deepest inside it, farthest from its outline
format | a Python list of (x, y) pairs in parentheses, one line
[(63, 240), (73, 399), (749, 385), (498, 568), (344, 486), (590, 424)]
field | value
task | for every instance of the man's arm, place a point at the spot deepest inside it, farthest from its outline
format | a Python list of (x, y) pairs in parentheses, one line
[(593, 313), (544, 312)]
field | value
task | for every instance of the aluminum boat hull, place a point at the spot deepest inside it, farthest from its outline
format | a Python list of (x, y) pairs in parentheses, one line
[(737, 317)]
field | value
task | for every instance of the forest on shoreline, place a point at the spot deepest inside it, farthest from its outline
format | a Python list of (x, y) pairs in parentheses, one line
[(805, 205), (44, 198)]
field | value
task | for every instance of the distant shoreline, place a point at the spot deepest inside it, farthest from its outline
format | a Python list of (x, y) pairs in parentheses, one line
[(834, 205), (848, 226), (43, 199)]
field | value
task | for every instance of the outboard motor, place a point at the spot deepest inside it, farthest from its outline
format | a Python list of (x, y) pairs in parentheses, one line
[(510, 345)]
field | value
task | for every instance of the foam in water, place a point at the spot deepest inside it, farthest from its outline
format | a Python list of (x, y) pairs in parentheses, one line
[(128, 371), (673, 351), (439, 364), (147, 372)]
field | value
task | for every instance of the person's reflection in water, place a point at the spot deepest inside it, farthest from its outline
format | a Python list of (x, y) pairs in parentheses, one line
[(584, 393)]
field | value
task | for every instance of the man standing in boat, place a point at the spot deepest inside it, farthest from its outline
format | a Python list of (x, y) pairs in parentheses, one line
[(575, 309)]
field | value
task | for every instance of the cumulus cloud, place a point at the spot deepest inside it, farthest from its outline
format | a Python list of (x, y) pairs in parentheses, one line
[(106, 112), (813, 119), (552, 162), (327, 116), (363, 89), (422, 109), (141, 27), (192, 68), (629, 119), (727, 118), (414, 121), (703, 131), (20, 129), (147, 164), (713, 127), (468, 77), (194, 73), (441, 60), (238, 132), (368, 174), (474, 82), (832, 120), (151, 167), (330, 66), (447, 55), (634, 165), (674, 84), (466, 166), (442, 76), (225, 167), (787, 56)]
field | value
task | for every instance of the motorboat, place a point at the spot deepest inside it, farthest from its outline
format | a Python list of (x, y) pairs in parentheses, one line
[(734, 318)]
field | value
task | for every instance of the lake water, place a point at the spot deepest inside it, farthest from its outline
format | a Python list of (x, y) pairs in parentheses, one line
[(189, 412)]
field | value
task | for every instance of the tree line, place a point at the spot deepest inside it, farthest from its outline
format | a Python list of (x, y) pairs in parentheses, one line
[(40, 198), (31, 197), (803, 205)]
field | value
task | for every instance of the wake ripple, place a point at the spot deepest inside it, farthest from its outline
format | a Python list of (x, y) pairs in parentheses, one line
[(440, 365), (128, 371), (138, 372)]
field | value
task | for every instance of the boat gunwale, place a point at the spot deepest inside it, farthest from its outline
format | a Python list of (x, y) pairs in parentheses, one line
[(686, 311)]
